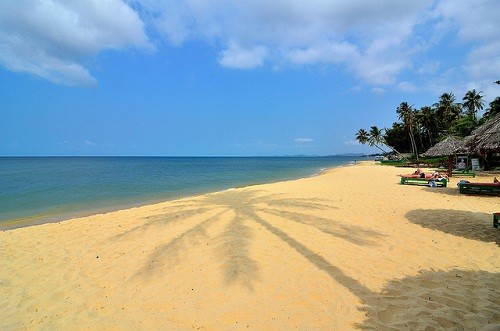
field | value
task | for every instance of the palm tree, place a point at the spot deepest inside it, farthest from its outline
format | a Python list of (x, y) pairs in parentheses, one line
[(473, 102), (427, 119), (374, 138), (362, 136), (447, 110), (405, 113), (492, 110)]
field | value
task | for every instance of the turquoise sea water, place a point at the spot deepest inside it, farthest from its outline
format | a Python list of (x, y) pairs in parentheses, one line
[(39, 189)]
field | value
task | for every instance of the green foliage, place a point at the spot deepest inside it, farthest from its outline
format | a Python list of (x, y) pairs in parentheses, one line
[(407, 115), (492, 110), (397, 138), (362, 136), (376, 136), (464, 126), (473, 102), (447, 111), (425, 127), (393, 163)]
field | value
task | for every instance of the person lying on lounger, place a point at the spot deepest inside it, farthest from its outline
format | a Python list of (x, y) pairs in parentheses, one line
[(419, 174), (438, 176)]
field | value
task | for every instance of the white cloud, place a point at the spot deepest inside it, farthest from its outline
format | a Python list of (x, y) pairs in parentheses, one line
[(304, 140), (237, 57), (407, 87), (378, 42), (378, 90), (429, 68), (368, 39), (352, 143), (477, 25), (53, 39)]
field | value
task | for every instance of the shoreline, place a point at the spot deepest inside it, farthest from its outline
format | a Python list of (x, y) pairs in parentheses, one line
[(34, 220), (349, 249)]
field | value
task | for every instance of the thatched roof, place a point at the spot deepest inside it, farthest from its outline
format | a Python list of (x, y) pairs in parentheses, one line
[(486, 137), (462, 148), (444, 148)]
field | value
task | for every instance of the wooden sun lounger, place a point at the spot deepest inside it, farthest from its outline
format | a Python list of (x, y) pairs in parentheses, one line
[(423, 181), (463, 173), (459, 173), (479, 188)]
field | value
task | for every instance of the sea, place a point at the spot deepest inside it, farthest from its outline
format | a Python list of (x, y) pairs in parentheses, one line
[(35, 190)]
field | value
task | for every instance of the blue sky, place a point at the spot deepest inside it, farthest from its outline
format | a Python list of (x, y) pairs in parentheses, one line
[(230, 78)]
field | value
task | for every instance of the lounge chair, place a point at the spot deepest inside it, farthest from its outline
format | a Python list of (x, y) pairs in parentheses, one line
[(411, 180), (458, 173), (463, 173), (479, 188)]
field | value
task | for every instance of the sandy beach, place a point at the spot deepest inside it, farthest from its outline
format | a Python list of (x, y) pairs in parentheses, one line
[(349, 249)]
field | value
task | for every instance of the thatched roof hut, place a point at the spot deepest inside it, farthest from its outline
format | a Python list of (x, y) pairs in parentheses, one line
[(446, 147), (485, 137)]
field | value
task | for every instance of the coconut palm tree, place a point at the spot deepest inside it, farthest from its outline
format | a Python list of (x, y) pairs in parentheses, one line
[(427, 119), (473, 102), (362, 136), (492, 110), (374, 138), (447, 110), (406, 114)]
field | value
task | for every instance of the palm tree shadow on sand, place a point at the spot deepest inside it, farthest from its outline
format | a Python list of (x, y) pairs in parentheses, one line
[(429, 291), (462, 223), (237, 210)]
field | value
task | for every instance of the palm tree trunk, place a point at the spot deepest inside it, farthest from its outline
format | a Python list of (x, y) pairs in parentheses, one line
[(398, 153), (385, 152), (413, 144)]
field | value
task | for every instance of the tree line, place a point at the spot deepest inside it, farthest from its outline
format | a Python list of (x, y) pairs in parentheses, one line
[(419, 129)]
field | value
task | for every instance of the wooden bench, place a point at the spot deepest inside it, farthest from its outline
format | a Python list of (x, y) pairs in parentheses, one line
[(479, 188), (423, 181), (463, 174)]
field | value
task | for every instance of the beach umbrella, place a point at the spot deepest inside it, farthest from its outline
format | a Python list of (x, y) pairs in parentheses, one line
[(447, 147)]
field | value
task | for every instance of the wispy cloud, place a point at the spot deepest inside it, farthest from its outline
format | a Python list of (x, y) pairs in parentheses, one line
[(407, 87), (304, 140), (378, 90), (352, 143)]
